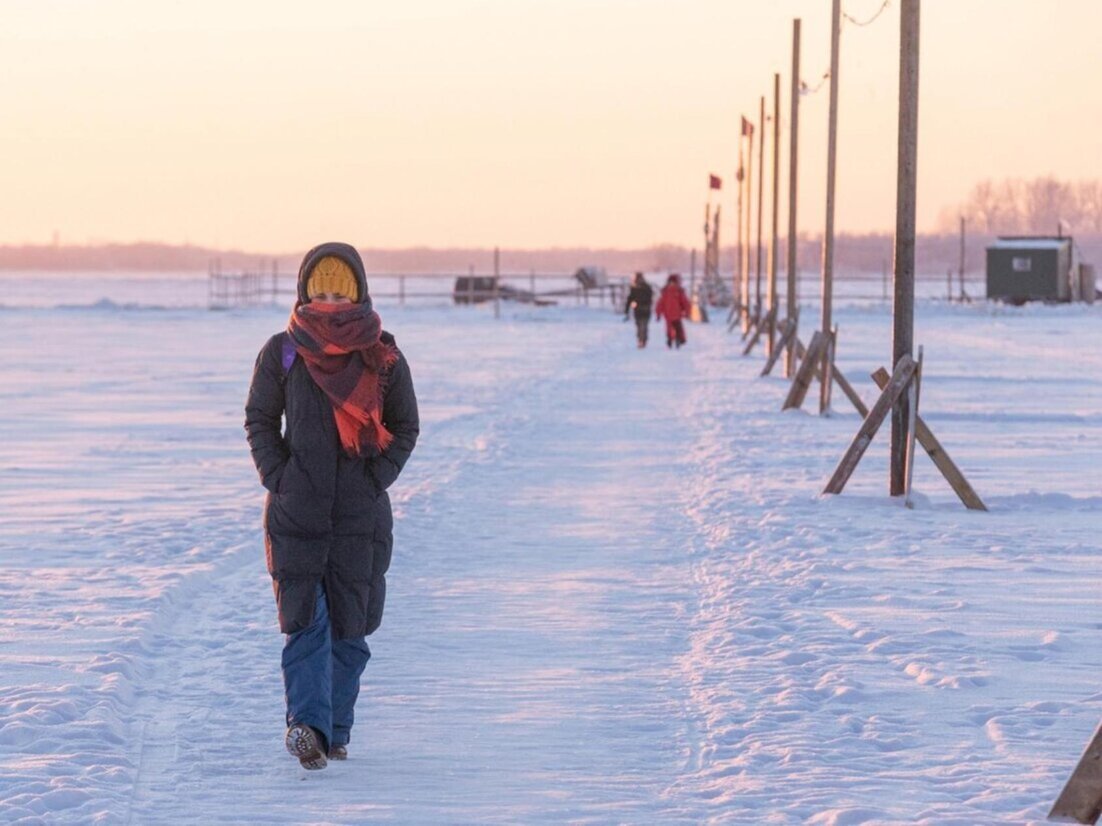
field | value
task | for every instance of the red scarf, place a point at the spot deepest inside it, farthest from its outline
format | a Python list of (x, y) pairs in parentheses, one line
[(343, 353)]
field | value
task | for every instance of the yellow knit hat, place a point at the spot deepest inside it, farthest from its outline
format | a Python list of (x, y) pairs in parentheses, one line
[(332, 275)]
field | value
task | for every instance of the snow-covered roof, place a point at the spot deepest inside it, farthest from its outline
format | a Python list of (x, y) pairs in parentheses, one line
[(1030, 243)]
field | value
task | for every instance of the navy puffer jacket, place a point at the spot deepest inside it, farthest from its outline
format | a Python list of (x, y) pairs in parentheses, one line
[(327, 517)]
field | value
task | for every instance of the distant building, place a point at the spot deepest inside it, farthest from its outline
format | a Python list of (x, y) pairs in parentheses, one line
[(1038, 268)]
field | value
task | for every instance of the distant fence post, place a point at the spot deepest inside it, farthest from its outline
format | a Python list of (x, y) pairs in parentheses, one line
[(497, 287)]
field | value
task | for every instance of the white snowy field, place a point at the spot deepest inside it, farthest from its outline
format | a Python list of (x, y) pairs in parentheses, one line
[(617, 595)]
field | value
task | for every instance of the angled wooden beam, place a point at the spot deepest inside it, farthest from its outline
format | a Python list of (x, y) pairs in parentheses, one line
[(761, 328), (1081, 799), (788, 332), (851, 394), (753, 321), (806, 374), (940, 458), (904, 372), (735, 316)]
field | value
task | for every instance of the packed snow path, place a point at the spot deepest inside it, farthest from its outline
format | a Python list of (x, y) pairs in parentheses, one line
[(616, 595)]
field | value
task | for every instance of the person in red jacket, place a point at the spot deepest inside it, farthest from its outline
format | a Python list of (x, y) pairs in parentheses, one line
[(674, 305)]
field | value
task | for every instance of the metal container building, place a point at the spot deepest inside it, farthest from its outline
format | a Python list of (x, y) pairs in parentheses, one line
[(1037, 268)]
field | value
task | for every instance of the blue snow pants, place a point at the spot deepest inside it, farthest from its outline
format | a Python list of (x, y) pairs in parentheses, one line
[(321, 676)]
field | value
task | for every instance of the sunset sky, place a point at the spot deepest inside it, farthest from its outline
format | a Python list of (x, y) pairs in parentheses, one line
[(270, 126)]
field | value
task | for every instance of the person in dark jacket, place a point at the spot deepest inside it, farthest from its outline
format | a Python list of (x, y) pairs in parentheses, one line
[(640, 297), (346, 393), (674, 305)]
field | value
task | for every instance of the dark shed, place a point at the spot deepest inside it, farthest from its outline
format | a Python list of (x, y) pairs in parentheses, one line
[(1021, 269)]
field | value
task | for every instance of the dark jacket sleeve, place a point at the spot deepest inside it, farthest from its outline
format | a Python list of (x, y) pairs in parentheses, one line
[(401, 419), (264, 415), (630, 300)]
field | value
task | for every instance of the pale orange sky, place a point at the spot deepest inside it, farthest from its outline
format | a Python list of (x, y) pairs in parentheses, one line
[(522, 123)]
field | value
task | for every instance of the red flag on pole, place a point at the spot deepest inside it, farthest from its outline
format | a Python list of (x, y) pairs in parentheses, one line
[(715, 182), (747, 127)]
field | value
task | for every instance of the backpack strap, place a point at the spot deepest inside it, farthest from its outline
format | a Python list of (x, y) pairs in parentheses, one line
[(288, 354)]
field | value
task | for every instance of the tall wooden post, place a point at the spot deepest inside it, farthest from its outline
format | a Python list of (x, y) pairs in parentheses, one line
[(771, 331), (711, 284), (707, 250), (961, 270), (746, 279), (906, 176), (828, 232), (761, 193), (736, 293), (793, 144)]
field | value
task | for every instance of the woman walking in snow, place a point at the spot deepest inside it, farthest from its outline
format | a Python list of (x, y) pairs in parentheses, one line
[(351, 424), (674, 305)]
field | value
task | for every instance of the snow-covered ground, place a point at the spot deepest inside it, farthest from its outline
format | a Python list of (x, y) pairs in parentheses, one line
[(617, 595)]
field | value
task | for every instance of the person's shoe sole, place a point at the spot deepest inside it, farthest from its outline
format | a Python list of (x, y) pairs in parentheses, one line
[(303, 742)]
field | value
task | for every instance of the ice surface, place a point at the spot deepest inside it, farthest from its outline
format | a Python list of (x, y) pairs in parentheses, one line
[(617, 595)]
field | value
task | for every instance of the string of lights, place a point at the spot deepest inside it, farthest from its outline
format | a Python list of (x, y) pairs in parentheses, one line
[(850, 18), (806, 89)]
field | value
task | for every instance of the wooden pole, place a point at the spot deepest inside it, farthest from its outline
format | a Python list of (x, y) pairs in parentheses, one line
[(793, 144), (715, 254), (828, 232), (912, 413), (771, 332), (707, 251), (761, 193), (738, 274), (746, 246), (960, 271), (906, 175)]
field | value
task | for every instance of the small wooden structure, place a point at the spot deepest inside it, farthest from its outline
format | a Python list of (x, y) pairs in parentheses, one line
[(1032, 268), (475, 289)]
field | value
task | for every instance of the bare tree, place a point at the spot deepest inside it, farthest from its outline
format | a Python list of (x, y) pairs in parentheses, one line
[(1040, 205)]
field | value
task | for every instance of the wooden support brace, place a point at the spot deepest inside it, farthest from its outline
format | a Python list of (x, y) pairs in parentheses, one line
[(806, 374), (762, 326), (788, 332), (940, 458), (735, 317), (851, 394), (753, 323), (758, 330), (748, 327), (904, 372), (1081, 799)]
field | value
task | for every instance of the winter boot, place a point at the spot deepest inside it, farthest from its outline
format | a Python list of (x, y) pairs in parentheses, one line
[(305, 744), (338, 752)]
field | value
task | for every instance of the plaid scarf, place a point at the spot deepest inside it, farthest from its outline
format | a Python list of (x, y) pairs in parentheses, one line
[(341, 348)]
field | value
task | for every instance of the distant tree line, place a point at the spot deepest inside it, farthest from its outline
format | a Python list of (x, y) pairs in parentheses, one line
[(1010, 207), (1041, 206)]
